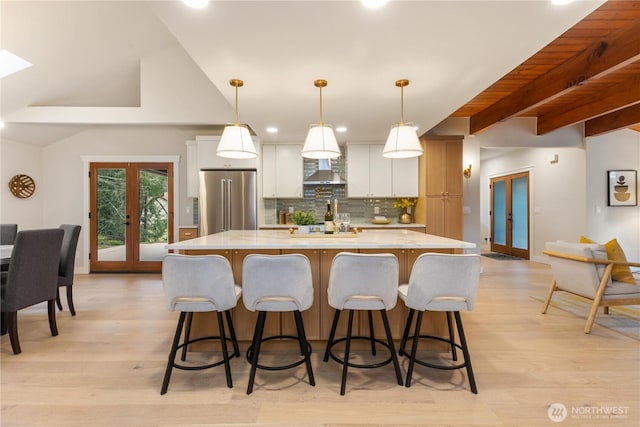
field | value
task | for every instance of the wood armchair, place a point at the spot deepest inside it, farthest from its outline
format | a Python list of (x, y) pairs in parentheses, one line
[(584, 270)]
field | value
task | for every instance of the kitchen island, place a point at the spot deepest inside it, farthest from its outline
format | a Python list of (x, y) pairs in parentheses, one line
[(235, 245)]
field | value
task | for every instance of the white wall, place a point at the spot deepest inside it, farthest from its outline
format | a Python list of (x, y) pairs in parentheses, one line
[(557, 193), (615, 150), (17, 158)]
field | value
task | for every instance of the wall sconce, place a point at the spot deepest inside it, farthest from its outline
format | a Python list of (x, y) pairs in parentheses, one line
[(467, 171)]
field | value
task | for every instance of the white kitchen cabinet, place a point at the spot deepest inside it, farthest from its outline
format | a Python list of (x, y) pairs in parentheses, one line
[(208, 159), (368, 173), (371, 175), (282, 171), (405, 177)]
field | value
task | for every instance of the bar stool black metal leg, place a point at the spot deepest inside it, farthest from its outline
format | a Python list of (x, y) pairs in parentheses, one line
[(225, 351), (172, 353), (255, 350), (372, 333), (465, 352), (187, 334), (232, 334), (454, 353), (405, 334), (394, 356), (332, 335), (304, 346), (347, 349), (414, 349)]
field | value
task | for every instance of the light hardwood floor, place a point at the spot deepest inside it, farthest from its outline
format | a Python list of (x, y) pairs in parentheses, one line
[(106, 367)]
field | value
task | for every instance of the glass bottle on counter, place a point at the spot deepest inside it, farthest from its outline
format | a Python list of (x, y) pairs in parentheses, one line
[(328, 219)]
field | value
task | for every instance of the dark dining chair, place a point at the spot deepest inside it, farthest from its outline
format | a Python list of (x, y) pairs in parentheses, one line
[(32, 278), (8, 233), (7, 237), (67, 264)]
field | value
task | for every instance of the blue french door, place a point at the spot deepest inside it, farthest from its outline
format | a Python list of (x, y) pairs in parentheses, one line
[(510, 214)]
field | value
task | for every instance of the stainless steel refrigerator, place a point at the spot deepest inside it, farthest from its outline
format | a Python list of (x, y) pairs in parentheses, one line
[(228, 200)]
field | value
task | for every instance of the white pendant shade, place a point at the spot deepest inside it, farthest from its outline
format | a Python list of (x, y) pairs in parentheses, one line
[(402, 142), (321, 143), (236, 143)]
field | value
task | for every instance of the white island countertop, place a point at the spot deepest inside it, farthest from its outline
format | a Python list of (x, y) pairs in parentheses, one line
[(280, 239)]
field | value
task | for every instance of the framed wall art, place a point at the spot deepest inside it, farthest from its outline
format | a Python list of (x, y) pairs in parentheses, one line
[(623, 188)]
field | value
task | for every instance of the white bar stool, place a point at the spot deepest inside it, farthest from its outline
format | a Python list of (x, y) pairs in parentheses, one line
[(362, 282), (440, 282), (277, 283), (200, 284)]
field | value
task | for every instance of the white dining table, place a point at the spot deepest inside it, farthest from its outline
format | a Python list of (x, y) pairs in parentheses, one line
[(5, 253)]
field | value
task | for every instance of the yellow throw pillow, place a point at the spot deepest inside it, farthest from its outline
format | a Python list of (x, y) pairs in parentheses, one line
[(620, 273), (586, 240)]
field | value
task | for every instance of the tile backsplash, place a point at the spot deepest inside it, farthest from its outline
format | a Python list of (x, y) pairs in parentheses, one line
[(316, 196)]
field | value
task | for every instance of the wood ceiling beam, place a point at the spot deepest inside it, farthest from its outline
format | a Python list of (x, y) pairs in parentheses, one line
[(612, 52), (609, 99), (626, 117)]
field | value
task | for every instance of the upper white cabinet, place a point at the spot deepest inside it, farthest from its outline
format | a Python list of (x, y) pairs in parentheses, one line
[(282, 170), (201, 154), (368, 173), (371, 175), (208, 159), (405, 177)]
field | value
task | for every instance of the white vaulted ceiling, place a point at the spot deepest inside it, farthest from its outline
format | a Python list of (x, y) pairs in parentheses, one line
[(90, 60)]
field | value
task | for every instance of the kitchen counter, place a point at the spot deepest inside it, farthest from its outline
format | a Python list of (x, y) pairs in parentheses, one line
[(235, 245), (277, 239), (359, 225)]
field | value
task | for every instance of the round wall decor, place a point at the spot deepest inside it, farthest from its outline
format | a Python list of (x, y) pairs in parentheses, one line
[(22, 186)]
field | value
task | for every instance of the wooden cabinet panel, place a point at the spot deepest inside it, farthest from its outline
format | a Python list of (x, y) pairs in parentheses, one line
[(442, 190), (444, 216), (186, 233), (443, 167)]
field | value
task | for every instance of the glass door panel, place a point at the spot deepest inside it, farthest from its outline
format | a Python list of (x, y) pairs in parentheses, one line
[(520, 209), (499, 213), (153, 227), (111, 212)]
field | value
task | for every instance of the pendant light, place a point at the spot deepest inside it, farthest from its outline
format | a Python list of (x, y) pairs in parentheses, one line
[(321, 142), (236, 142), (403, 140)]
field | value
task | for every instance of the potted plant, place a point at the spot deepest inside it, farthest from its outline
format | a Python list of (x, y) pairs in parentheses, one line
[(405, 203), (303, 220)]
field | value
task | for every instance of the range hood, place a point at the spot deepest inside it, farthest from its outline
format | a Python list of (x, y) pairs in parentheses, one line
[(324, 175)]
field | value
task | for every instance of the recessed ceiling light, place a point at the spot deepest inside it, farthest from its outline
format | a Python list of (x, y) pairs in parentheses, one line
[(11, 63), (341, 129), (196, 4), (374, 4), (561, 2), (272, 129)]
